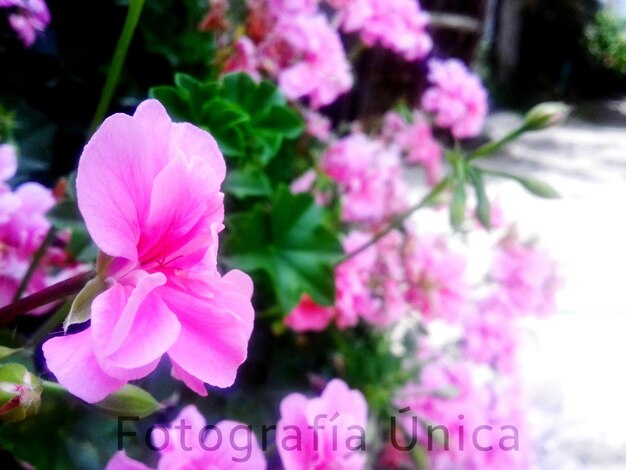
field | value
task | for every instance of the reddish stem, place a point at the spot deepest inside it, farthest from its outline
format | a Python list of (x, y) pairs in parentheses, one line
[(58, 291)]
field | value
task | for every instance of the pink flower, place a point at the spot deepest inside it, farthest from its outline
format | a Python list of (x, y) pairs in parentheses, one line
[(149, 191), (309, 316), (315, 61), (292, 7), (398, 25), (491, 335), (527, 276), (436, 278), (317, 125), (417, 141), (369, 176), (31, 17), (244, 58), (228, 445), (330, 430), (457, 97)]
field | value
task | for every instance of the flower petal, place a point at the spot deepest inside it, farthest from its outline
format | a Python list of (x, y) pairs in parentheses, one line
[(114, 184), (71, 359)]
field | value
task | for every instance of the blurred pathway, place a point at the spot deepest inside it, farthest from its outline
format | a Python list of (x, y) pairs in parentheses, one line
[(574, 363)]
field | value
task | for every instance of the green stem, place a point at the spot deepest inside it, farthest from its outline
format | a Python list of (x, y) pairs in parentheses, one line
[(119, 57), (48, 295), (53, 387), (38, 256), (399, 220), (492, 147)]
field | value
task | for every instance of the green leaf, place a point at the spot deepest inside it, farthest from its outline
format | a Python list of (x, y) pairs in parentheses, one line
[(290, 243), (6, 352), (457, 205), (246, 182), (536, 187), (174, 100), (130, 401), (279, 119), (65, 215), (483, 207), (80, 311)]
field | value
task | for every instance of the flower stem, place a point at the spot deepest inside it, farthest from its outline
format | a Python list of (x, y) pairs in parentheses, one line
[(38, 256), (50, 324), (50, 294), (119, 57), (397, 221), (492, 147)]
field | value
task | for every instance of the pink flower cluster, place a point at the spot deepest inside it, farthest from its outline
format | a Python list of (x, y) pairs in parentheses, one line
[(295, 44), (369, 177), (369, 288), (526, 275), (416, 141), (325, 432), (228, 445), (463, 423), (23, 227), (29, 18), (149, 191), (456, 97), (330, 429), (398, 25)]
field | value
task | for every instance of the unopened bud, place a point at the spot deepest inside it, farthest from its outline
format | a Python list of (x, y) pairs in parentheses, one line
[(546, 115), (20, 393)]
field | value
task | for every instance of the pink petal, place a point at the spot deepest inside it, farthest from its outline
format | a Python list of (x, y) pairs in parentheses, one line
[(132, 327), (114, 185), (120, 461), (213, 341), (194, 142), (71, 359)]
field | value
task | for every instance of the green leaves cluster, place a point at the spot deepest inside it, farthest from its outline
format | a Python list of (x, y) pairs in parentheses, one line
[(282, 239)]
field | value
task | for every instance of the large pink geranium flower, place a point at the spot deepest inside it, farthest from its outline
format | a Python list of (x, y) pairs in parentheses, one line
[(149, 191)]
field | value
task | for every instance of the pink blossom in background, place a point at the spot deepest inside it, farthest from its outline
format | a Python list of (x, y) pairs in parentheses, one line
[(244, 58), (316, 63), (526, 275), (369, 176), (398, 25), (234, 447), (331, 444), (292, 7), (436, 279), (416, 140), (30, 18), (309, 316), (149, 191), (23, 227), (491, 335), (317, 125), (456, 97)]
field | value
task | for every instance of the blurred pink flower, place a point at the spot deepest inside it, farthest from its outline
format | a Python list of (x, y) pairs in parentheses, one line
[(436, 279), (309, 316), (244, 58), (330, 428), (490, 335), (149, 191), (292, 7), (315, 63), (30, 18), (398, 25), (317, 125), (228, 445), (369, 176), (457, 97), (417, 141), (527, 276)]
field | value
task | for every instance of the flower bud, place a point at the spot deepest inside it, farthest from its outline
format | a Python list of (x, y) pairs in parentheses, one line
[(20, 393), (546, 115)]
